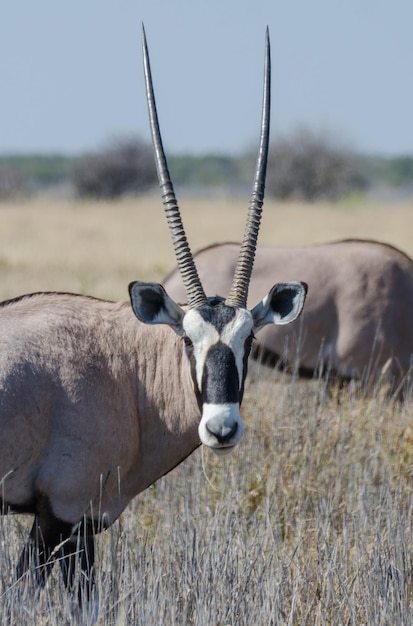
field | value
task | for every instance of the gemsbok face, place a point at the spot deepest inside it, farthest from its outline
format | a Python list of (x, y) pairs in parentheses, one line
[(217, 342), (96, 405)]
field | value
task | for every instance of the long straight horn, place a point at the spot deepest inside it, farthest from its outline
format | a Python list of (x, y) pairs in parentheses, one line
[(239, 291), (194, 290)]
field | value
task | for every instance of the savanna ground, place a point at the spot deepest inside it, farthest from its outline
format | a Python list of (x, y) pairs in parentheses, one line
[(309, 521)]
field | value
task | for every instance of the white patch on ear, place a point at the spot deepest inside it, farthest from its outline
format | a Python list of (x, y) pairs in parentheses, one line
[(282, 305), (152, 305)]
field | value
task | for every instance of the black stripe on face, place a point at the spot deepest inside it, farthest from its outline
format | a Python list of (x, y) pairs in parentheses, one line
[(220, 382), (247, 350), (217, 313)]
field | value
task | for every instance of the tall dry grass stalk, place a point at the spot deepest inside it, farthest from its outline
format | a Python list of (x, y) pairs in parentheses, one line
[(307, 522)]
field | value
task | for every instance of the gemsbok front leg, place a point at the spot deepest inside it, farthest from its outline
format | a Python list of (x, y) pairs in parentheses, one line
[(51, 540)]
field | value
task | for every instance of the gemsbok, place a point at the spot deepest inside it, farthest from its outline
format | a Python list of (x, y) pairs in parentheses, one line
[(100, 399), (357, 321)]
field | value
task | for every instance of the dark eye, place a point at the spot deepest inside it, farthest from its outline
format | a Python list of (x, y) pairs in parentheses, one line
[(187, 342)]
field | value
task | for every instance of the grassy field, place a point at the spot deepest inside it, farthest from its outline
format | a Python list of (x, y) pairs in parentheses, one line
[(98, 248), (309, 521)]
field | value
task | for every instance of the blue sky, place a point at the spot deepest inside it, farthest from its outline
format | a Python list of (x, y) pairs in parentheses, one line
[(71, 72)]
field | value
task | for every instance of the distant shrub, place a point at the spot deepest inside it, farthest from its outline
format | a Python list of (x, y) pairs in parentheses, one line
[(394, 171), (126, 166), (12, 183), (311, 166)]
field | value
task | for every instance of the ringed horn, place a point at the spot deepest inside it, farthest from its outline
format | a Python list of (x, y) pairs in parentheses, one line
[(242, 275)]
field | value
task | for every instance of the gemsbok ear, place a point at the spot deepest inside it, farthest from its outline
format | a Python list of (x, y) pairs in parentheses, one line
[(282, 305), (152, 305)]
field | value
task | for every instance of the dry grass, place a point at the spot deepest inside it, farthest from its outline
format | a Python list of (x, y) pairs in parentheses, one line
[(307, 522), (97, 248)]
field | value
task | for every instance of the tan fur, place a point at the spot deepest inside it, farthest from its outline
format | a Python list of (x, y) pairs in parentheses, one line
[(358, 311), (90, 430)]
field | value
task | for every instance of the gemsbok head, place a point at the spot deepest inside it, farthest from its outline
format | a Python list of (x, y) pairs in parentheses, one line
[(95, 405)]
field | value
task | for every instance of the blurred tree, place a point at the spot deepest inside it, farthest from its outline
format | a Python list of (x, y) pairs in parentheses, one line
[(310, 166), (125, 166), (208, 169), (12, 183)]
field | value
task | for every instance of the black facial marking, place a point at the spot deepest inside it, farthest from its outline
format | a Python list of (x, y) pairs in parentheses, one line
[(247, 350), (219, 314), (220, 382), (220, 379)]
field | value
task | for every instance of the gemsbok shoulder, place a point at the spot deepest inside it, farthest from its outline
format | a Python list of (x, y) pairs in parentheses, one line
[(357, 321), (100, 399)]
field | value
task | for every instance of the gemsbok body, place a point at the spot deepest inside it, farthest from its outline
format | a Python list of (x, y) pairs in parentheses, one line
[(357, 321), (100, 399)]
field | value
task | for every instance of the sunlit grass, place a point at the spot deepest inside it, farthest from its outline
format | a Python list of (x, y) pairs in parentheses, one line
[(97, 248)]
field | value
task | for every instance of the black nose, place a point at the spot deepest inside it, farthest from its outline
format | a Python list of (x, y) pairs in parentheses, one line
[(223, 431)]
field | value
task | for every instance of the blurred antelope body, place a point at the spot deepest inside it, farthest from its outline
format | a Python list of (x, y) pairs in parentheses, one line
[(96, 405), (357, 320)]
